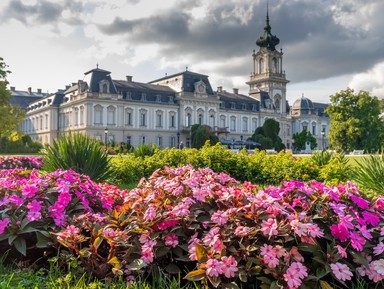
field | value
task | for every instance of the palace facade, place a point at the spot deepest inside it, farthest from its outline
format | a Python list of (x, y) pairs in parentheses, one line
[(162, 111)]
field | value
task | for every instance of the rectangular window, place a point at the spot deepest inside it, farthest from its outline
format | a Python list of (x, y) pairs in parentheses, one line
[(143, 119), (159, 120), (172, 143), (172, 121), (159, 141), (128, 118), (233, 124)]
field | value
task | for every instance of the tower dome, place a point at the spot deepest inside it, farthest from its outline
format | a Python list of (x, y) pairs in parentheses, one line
[(302, 105)]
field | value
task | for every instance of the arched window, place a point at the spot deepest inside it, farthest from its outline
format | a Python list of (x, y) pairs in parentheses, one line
[(261, 65), (111, 115), (98, 115), (275, 65)]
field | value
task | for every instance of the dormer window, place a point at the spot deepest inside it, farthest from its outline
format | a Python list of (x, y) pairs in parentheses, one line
[(104, 86), (233, 105), (143, 97)]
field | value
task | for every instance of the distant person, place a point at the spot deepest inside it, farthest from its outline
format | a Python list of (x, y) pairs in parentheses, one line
[(181, 145)]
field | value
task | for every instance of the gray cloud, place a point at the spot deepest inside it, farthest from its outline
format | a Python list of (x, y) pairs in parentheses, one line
[(318, 37)]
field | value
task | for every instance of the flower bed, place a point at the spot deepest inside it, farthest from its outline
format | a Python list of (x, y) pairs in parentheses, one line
[(26, 162), (224, 233)]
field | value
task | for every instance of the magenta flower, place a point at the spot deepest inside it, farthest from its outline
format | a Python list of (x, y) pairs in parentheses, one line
[(167, 224), (370, 218), (228, 266), (360, 202), (341, 271), (339, 232), (342, 251), (357, 241), (213, 268), (242, 231), (3, 224), (29, 191)]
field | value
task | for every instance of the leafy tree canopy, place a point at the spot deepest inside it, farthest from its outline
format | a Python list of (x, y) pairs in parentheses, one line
[(200, 134), (10, 116), (300, 139), (355, 121)]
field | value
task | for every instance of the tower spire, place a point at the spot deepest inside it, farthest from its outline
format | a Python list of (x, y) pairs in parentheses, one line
[(267, 39)]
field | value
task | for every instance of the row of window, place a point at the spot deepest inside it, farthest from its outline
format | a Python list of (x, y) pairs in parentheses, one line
[(160, 141)]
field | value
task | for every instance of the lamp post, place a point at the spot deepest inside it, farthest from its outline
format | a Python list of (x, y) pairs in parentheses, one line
[(106, 138), (241, 144), (178, 139), (322, 137)]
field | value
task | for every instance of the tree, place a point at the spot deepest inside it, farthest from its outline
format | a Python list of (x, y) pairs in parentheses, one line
[(200, 134), (10, 116), (355, 121), (300, 139), (268, 135)]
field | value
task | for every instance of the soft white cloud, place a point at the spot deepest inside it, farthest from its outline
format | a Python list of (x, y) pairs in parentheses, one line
[(371, 81)]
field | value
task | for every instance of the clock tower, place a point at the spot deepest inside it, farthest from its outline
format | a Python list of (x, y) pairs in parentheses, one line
[(267, 70)]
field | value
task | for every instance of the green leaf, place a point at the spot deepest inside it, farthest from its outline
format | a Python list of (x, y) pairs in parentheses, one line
[(20, 245), (306, 247), (215, 281), (172, 268), (42, 240), (359, 257), (97, 242), (136, 264), (232, 285), (322, 271), (325, 285)]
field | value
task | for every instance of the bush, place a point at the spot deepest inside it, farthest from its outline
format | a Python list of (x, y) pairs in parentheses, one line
[(80, 153), (369, 174), (33, 207), (232, 235)]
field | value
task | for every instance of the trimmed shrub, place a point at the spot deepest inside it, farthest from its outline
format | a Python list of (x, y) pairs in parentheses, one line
[(80, 153)]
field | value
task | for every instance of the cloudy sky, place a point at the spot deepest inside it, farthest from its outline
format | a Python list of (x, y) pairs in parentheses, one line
[(328, 45)]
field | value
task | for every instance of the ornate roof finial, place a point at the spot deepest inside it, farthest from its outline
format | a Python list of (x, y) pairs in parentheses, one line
[(97, 65), (268, 40)]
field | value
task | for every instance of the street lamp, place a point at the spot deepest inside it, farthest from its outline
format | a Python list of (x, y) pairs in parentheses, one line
[(241, 144), (178, 139), (106, 137), (322, 137)]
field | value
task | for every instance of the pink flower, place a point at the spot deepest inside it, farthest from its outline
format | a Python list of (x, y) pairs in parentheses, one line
[(228, 266), (171, 240), (181, 210), (269, 227), (341, 271), (3, 224), (242, 231), (379, 248), (34, 206), (269, 255), (219, 217), (294, 252), (342, 251), (294, 274), (213, 268), (109, 232), (150, 214), (147, 254)]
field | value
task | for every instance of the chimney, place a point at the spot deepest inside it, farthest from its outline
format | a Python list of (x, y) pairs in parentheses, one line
[(67, 87), (219, 89), (236, 91), (13, 88), (29, 90), (129, 78), (39, 90)]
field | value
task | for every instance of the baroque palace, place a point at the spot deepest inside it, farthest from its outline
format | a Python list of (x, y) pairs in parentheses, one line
[(162, 111)]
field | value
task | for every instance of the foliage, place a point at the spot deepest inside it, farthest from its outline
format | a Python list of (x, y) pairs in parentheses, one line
[(26, 162), (145, 150), (369, 174), (268, 135), (300, 140), (355, 121), (321, 158), (80, 153), (10, 116), (232, 235), (33, 207), (337, 170), (258, 167), (18, 142), (200, 134)]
